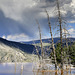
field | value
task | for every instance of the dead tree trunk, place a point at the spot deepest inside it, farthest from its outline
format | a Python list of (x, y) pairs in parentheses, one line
[(37, 51), (52, 40), (65, 34), (60, 24), (42, 52)]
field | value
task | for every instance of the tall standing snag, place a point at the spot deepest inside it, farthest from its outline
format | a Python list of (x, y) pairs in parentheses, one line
[(65, 34), (67, 54), (37, 51), (52, 40), (42, 52), (60, 24)]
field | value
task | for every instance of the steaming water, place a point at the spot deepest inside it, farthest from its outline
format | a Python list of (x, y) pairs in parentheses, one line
[(16, 69)]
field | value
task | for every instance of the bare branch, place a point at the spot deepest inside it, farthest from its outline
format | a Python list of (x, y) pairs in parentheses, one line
[(42, 52)]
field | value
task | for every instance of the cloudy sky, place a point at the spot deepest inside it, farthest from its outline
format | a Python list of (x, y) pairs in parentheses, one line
[(18, 18)]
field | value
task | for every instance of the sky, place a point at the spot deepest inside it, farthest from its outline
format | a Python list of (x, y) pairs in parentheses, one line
[(18, 18)]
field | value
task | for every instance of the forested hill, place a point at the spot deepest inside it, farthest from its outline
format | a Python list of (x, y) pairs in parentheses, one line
[(24, 47)]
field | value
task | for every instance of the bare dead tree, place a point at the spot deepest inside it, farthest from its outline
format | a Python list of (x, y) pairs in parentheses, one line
[(37, 50), (37, 53), (42, 51), (65, 34), (60, 25), (52, 39)]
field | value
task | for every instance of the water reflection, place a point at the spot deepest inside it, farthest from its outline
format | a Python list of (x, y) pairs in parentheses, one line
[(16, 69), (69, 71), (26, 69)]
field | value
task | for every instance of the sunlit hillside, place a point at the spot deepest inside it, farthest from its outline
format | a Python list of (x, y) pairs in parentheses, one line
[(12, 54)]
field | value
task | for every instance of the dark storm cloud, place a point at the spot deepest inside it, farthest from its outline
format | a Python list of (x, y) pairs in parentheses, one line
[(30, 13), (9, 26)]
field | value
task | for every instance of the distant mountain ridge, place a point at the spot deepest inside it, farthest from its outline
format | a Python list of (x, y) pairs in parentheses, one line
[(56, 40)]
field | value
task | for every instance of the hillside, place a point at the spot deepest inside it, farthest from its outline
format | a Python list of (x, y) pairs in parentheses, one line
[(12, 54), (11, 51), (15, 51), (24, 47)]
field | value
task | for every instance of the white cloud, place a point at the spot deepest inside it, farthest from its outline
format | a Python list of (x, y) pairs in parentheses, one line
[(14, 8), (72, 21), (24, 37), (72, 32), (73, 3), (18, 37), (3, 36), (69, 32)]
